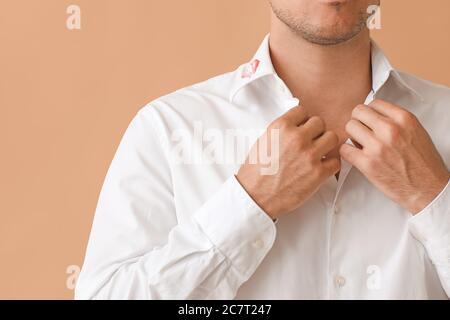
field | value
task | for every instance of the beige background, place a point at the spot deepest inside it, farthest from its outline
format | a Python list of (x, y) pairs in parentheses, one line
[(66, 98)]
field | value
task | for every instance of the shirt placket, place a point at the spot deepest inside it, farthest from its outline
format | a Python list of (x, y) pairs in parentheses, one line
[(337, 278)]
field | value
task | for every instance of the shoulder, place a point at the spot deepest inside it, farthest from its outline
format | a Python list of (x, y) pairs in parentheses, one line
[(196, 99), (433, 111), (432, 93)]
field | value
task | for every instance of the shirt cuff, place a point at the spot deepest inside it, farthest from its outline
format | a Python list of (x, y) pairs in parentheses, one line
[(433, 222), (237, 226)]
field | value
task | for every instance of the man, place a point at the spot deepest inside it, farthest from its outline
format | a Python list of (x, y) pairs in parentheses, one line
[(353, 204)]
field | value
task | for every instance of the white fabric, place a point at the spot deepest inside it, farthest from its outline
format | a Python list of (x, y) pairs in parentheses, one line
[(167, 228)]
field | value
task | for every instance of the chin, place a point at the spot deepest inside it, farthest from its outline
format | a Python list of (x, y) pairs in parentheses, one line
[(333, 21), (323, 21)]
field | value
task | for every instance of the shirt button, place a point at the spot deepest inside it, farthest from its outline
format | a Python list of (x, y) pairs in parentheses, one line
[(340, 281), (336, 210), (258, 244)]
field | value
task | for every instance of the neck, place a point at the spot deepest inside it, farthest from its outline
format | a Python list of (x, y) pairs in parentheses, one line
[(322, 76)]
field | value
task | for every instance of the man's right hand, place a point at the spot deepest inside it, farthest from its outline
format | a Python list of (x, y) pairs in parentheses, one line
[(303, 146)]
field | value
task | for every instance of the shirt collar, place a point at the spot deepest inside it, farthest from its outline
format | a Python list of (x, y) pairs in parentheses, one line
[(261, 66), (382, 70)]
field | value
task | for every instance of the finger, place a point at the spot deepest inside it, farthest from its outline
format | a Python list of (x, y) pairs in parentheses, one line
[(295, 116), (331, 166), (326, 143), (314, 127), (359, 132), (352, 155), (370, 117), (389, 110)]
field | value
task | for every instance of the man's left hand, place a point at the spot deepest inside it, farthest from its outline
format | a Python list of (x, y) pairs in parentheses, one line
[(397, 155)]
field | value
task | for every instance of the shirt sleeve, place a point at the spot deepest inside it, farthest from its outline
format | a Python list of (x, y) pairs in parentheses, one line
[(432, 228), (138, 248)]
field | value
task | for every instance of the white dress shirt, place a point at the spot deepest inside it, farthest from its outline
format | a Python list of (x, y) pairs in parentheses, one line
[(172, 221)]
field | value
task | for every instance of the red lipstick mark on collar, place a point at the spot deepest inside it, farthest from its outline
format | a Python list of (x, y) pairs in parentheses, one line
[(250, 69)]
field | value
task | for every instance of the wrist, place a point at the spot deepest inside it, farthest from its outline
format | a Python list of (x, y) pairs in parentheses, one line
[(424, 198), (259, 197)]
